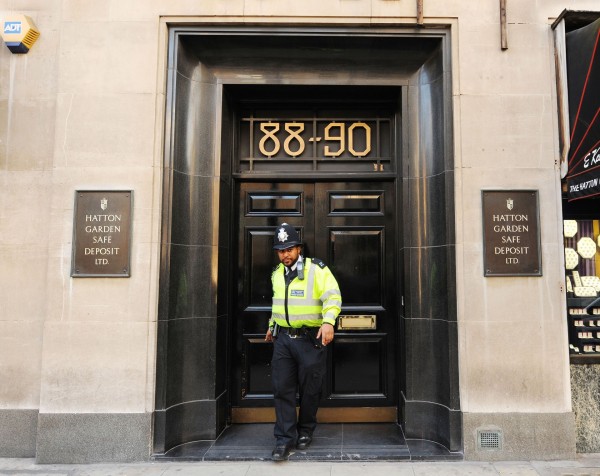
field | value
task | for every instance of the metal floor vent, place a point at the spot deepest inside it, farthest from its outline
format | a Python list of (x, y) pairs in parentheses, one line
[(489, 439)]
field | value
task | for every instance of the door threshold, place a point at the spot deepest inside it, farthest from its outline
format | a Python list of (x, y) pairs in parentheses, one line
[(324, 415), (332, 442)]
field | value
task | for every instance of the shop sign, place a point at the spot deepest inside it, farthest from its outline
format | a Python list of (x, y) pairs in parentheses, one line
[(511, 233), (583, 71), (102, 234)]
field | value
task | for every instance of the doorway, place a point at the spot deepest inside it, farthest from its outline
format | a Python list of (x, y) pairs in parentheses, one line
[(210, 68), (351, 227)]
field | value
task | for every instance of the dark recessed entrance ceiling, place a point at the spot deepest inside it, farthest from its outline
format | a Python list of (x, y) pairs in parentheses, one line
[(381, 56), (344, 48)]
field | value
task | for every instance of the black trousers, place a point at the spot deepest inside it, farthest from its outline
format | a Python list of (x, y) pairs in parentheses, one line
[(296, 364)]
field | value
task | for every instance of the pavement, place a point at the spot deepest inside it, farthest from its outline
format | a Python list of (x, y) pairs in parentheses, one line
[(583, 465)]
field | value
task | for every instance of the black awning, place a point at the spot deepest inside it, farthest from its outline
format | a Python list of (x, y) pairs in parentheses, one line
[(583, 71)]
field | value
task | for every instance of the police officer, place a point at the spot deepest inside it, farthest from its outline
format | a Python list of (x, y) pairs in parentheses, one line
[(306, 303)]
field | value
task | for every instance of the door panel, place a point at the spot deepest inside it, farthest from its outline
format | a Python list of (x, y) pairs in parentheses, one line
[(350, 226), (362, 356), (357, 256)]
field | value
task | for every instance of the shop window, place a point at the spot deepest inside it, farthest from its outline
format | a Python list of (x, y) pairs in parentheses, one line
[(582, 265)]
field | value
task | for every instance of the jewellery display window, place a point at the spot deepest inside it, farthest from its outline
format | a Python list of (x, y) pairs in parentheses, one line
[(582, 280)]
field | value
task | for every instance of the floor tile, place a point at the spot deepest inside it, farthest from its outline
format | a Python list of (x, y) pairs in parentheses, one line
[(333, 442)]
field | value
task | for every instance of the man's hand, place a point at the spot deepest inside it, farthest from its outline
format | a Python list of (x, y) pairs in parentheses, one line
[(269, 336), (325, 333)]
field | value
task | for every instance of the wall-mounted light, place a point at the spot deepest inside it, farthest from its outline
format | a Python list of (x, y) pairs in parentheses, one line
[(19, 33)]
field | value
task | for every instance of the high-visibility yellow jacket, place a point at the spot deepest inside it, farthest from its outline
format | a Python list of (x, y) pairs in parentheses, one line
[(309, 302)]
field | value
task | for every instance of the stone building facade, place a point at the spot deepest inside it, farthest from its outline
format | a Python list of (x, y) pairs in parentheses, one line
[(149, 97)]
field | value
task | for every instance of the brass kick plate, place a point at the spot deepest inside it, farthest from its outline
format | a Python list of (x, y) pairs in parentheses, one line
[(360, 322), (324, 415)]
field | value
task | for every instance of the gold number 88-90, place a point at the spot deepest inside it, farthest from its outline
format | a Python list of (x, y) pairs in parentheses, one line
[(334, 132)]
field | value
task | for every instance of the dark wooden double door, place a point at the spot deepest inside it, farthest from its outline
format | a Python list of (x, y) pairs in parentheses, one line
[(351, 227)]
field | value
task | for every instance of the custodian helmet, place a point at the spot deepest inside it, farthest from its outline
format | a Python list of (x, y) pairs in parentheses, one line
[(285, 237)]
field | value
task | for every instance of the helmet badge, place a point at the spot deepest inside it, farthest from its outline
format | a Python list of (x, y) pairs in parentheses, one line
[(282, 236)]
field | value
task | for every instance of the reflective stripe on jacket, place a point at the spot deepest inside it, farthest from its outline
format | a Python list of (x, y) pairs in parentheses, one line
[(310, 302)]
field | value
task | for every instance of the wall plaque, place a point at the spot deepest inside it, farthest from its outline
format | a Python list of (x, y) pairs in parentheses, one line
[(102, 234), (511, 233)]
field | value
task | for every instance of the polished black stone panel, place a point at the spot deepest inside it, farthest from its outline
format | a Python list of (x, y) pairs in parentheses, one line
[(448, 127), (162, 343), (194, 451), (225, 252), (433, 68), (430, 421), (331, 442), (223, 290), (196, 371), (427, 361), (194, 127), (165, 232), (185, 61), (432, 362), (192, 225), (225, 203), (221, 412), (452, 365), (451, 311), (430, 283), (430, 161), (428, 127), (431, 115), (428, 225), (224, 301), (159, 426), (190, 421), (191, 292), (164, 291), (449, 207), (180, 155), (220, 357), (191, 360), (455, 428), (227, 138)]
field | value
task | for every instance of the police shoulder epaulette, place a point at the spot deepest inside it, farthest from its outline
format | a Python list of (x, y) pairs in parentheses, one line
[(318, 262)]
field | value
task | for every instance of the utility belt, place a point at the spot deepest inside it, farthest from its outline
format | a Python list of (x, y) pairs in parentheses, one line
[(296, 332)]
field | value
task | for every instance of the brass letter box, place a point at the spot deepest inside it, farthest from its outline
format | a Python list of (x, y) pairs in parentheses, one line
[(361, 322)]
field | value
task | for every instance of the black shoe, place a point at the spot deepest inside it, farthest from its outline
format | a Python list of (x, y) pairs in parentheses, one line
[(303, 442), (280, 453)]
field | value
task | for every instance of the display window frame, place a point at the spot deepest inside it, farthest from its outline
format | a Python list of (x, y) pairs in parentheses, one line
[(581, 230)]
